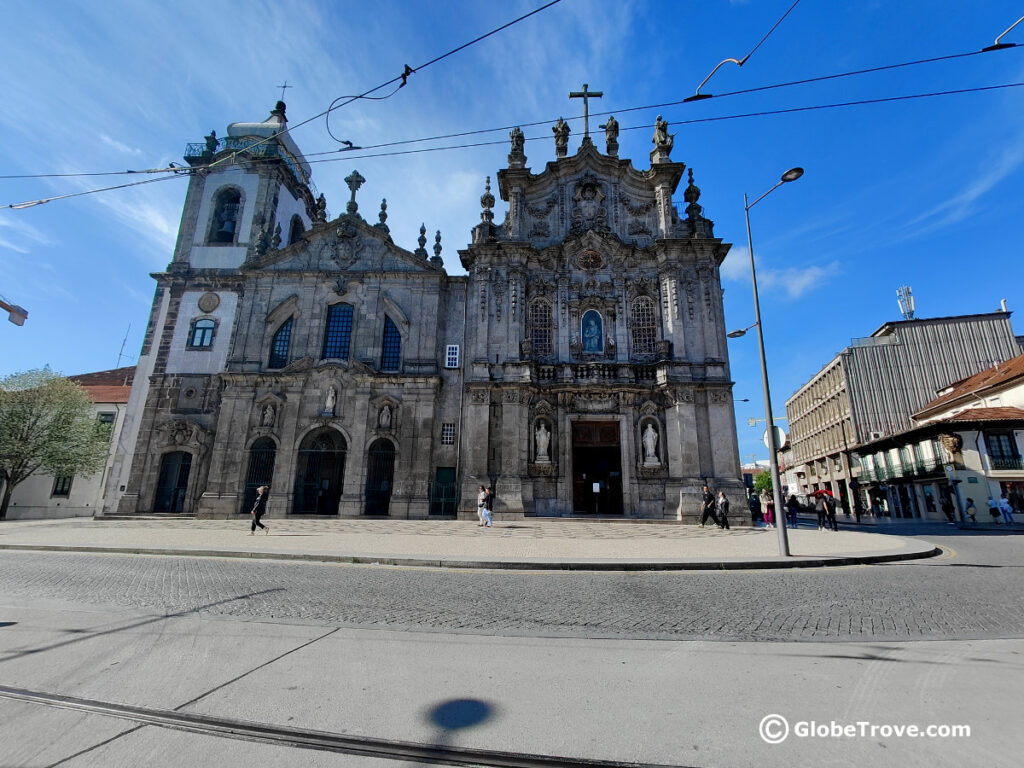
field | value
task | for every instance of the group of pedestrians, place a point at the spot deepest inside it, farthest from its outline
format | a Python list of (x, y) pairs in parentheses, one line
[(714, 508), (825, 507)]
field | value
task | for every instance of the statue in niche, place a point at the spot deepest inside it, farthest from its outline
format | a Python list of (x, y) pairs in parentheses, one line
[(331, 401), (542, 438), (592, 332), (650, 441), (267, 418), (384, 418)]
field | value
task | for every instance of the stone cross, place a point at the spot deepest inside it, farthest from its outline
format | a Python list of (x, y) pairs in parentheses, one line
[(354, 181), (586, 96)]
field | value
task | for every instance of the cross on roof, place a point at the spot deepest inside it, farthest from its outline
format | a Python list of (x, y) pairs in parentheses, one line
[(586, 95), (283, 87)]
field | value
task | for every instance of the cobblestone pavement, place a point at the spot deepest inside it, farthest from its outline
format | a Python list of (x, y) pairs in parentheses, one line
[(974, 593)]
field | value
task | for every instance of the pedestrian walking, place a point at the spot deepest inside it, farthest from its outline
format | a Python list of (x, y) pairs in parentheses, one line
[(1007, 509), (993, 509), (947, 510), (830, 513), (488, 507), (481, 498), (259, 509), (722, 508), (792, 508), (971, 510), (819, 508), (768, 509), (755, 509), (708, 507)]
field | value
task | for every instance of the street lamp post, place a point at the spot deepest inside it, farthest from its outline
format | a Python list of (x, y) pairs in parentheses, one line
[(780, 519)]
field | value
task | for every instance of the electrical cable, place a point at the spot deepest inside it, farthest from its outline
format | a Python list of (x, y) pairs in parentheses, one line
[(403, 77), (805, 81), (763, 113)]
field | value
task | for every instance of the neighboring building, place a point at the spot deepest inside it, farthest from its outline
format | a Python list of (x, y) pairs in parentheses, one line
[(749, 472), (46, 496), (966, 443), (871, 389), (579, 367)]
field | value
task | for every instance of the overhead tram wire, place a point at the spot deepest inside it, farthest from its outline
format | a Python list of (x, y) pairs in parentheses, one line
[(693, 121), (402, 77), (461, 134)]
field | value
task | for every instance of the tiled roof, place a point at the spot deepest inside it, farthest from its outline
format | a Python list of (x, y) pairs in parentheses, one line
[(987, 379), (105, 393), (115, 377), (1001, 413)]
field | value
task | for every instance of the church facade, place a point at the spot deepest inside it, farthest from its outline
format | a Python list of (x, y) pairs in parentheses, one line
[(578, 367)]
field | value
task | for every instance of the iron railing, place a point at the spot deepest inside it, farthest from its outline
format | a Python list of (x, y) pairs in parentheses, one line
[(254, 146), (1008, 463)]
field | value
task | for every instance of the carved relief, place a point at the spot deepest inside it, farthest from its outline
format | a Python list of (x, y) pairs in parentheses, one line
[(588, 207), (595, 402)]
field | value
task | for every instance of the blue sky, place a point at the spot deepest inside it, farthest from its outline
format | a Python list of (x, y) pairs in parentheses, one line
[(926, 192)]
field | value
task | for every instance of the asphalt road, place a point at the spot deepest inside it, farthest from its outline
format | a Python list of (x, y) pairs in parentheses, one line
[(971, 592)]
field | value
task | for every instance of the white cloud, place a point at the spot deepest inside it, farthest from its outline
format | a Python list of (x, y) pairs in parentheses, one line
[(17, 235), (119, 146), (737, 264), (796, 281)]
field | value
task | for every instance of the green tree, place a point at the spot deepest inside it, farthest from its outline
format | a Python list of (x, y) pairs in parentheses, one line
[(763, 483), (46, 424)]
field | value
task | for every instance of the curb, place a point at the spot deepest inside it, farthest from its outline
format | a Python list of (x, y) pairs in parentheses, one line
[(907, 553)]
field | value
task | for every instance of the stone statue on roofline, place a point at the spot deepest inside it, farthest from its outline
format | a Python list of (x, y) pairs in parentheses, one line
[(561, 131), (611, 136)]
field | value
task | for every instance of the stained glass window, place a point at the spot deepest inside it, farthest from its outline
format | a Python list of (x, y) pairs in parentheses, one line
[(644, 326), (279, 345), (391, 348), (540, 327), (338, 332)]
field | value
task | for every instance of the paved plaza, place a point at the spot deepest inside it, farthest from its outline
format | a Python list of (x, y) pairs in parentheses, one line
[(533, 543)]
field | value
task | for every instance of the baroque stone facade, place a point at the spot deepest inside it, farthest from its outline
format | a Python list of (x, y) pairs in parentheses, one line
[(579, 366)]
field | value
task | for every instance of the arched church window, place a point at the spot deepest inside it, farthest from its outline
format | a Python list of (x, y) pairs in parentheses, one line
[(391, 347), (540, 327), (227, 207), (201, 334), (279, 345), (338, 332), (295, 230), (644, 327)]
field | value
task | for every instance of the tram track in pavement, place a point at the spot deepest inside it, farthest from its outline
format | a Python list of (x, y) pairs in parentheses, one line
[(324, 741)]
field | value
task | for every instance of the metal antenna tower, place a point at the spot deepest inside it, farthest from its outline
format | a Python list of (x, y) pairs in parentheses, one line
[(905, 297)]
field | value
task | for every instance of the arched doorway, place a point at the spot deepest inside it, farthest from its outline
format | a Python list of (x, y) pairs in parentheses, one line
[(172, 482), (321, 473), (260, 471), (380, 473)]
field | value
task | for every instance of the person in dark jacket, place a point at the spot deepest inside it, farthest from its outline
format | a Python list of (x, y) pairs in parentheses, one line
[(259, 509), (708, 507), (722, 508), (792, 507)]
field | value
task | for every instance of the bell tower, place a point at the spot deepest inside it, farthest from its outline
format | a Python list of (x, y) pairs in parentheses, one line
[(249, 191)]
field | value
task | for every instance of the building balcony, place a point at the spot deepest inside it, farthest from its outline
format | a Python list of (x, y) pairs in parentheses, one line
[(1007, 464), (254, 146), (554, 373)]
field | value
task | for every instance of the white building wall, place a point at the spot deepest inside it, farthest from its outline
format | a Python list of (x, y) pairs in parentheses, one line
[(33, 499), (124, 445), (288, 206), (180, 359)]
